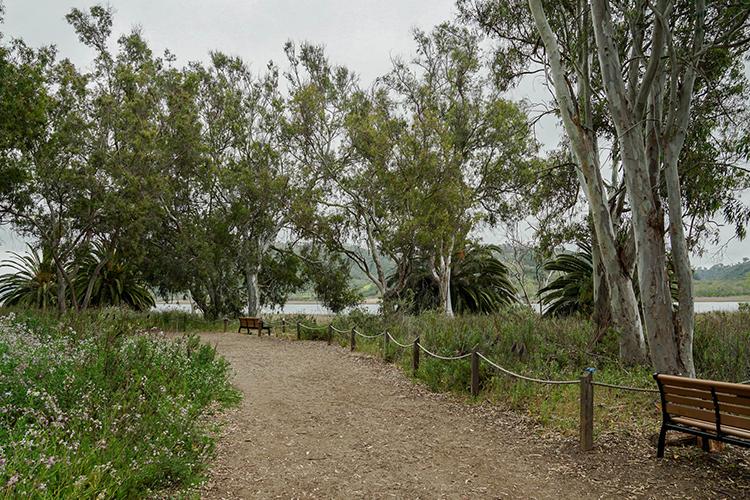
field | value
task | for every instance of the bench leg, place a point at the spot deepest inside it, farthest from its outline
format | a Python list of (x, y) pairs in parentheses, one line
[(662, 442), (259, 331), (239, 329), (705, 444)]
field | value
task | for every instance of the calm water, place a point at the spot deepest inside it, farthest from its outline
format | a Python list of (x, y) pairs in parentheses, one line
[(315, 308)]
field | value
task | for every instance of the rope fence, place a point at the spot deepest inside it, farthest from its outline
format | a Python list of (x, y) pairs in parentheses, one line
[(444, 358), (523, 377), (404, 346), (585, 382)]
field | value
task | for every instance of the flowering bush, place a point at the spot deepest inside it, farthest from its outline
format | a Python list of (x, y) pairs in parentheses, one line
[(101, 410)]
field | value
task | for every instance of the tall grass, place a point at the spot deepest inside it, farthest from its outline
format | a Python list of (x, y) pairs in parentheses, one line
[(91, 408), (549, 348)]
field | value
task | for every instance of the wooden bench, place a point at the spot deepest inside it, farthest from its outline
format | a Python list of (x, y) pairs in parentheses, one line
[(251, 323), (705, 408)]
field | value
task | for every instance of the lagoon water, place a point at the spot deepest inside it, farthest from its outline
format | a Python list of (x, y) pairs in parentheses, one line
[(317, 308)]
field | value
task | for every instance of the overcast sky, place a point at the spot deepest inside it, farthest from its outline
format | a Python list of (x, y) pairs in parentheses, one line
[(362, 34)]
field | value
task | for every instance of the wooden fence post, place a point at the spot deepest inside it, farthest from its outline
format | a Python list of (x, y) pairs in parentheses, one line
[(330, 333), (415, 357), (474, 372), (587, 411), (299, 336), (385, 346), (283, 327), (353, 340), (226, 321)]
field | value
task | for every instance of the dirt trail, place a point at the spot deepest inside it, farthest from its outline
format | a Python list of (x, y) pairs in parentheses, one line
[(320, 422)]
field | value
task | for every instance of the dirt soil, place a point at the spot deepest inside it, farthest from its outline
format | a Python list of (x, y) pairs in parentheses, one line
[(320, 422)]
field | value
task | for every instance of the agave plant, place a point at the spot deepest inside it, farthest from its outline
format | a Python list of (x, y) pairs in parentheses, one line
[(479, 283), (573, 291), (114, 284), (31, 282)]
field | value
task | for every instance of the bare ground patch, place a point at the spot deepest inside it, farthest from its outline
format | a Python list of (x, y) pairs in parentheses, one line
[(320, 422)]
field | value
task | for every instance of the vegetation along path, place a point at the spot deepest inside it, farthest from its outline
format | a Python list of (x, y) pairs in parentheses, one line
[(318, 422)]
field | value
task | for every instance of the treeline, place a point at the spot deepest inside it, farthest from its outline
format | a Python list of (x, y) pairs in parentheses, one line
[(241, 187)]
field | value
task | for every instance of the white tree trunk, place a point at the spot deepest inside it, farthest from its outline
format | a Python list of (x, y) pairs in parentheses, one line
[(624, 304), (685, 318), (253, 290), (641, 183), (441, 272), (62, 304), (445, 293), (253, 259)]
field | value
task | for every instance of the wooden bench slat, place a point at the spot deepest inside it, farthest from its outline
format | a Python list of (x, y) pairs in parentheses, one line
[(735, 421), (691, 393), (696, 383), (689, 401), (733, 398), (724, 408), (688, 411), (731, 407), (709, 426)]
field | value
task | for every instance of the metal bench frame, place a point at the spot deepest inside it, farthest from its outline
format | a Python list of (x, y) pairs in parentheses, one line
[(726, 388)]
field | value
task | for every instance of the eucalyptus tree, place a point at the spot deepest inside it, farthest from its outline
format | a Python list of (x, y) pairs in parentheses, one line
[(346, 142), (24, 104), (48, 200), (249, 181), (466, 146), (80, 175), (649, 97), (117, 196), (661, 52)]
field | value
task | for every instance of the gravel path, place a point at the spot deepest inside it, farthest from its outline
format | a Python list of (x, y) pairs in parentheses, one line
[(320, 422)]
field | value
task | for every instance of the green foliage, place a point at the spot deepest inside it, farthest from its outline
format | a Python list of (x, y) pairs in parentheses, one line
[(722, 345), (722, 280), (723, 272), (329, 274), (282, 274), (106, 277), (572, 292), (180, 321), (31, 282), (93, 409), (102, 278)]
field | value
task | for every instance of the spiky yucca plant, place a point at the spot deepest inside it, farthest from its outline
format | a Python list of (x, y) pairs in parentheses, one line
[(115, 285), (479, 283), (31, 282)]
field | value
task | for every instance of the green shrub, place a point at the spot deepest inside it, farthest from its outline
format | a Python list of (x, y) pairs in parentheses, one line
[(182, 321), (548, 348), (90, 408)]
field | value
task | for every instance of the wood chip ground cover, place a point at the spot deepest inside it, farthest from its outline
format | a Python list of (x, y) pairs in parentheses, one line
[(320, 422)]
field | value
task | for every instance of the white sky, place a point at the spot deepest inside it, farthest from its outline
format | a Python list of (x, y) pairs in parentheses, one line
[(361, 34)]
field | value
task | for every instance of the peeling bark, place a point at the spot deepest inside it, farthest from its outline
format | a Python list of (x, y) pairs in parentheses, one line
[(624, 305), (670, 340)]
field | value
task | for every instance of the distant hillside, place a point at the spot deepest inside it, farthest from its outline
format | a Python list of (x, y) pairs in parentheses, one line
[(723, 280), (724, 272), (720, 280)]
